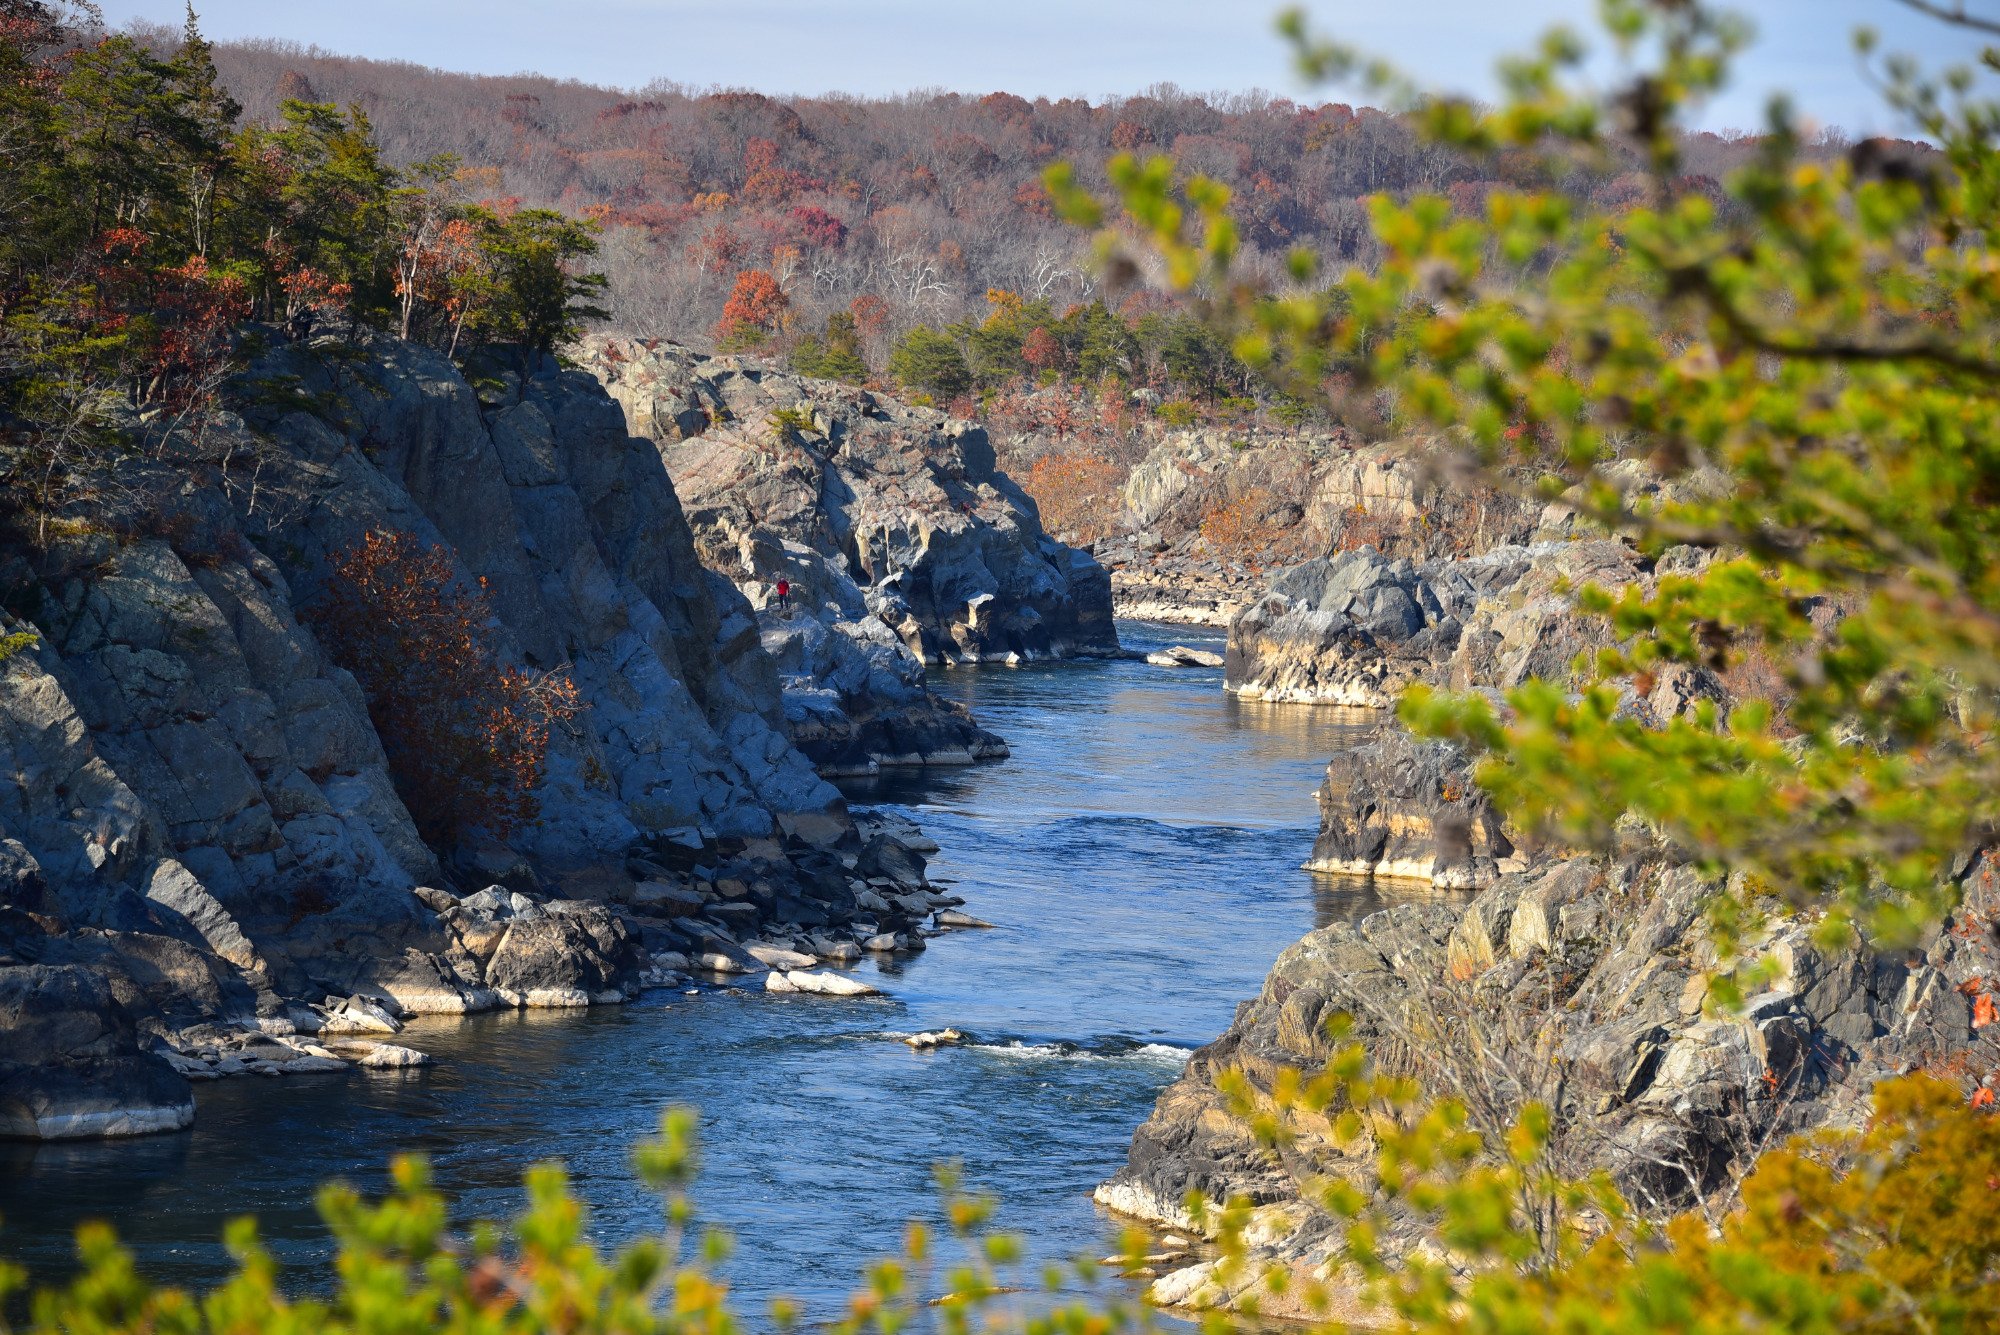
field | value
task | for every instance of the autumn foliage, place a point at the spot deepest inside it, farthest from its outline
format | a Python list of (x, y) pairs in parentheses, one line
[(1250, 528), (1077, 493), (755, 310), (467, 737)]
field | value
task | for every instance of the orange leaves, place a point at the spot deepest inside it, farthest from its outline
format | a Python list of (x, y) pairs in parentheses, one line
[(1076, 492), (467, 738), (1983, 1012), (756, 307), (308, 290), (1247, 528)]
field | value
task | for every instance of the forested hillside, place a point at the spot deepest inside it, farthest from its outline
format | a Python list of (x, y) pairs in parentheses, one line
[(905, 210)]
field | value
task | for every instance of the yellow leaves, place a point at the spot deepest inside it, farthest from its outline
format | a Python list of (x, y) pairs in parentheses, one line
[(1529, 1136)]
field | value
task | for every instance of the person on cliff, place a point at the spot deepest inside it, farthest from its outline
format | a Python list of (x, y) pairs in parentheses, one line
[(784, 598)]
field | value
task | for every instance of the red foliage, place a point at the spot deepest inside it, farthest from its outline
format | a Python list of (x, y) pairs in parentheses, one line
[(1129, 135), (1031, 197), (819, 228), (759, 155), (756, 306), (198, 311), (1041, 350), (1008, 106), (182, 347), (718, 247), (766, 181), (871, 314), (467, 738)]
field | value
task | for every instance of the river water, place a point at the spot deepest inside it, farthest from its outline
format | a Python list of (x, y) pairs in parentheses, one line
[(1140, 853)]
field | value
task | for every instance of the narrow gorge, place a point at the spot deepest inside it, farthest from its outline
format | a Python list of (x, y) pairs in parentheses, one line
[(210, 871)]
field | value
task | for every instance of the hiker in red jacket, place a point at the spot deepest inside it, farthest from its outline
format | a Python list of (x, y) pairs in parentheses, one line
[(785, 597)]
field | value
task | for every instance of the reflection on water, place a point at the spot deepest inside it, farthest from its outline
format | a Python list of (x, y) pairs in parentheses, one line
[(1141, 853)]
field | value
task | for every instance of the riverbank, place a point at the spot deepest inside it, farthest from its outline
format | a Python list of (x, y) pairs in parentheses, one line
[(1140, 854)]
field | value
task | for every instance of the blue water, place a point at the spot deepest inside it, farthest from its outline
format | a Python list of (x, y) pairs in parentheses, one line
[(1140, 853)]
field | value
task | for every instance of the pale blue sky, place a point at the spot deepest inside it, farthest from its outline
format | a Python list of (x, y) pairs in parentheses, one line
[(1053, 47)]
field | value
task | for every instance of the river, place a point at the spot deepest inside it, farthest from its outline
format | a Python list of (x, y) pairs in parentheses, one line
[(1140, 853)]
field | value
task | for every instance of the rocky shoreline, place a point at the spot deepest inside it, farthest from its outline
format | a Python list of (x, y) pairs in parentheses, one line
[(206, 867), (1507, 972)]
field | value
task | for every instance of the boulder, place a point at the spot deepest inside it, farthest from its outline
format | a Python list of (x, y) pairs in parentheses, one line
[(1182, 656), (778, 957), (71, 1063), (569, 951), (821, 983)]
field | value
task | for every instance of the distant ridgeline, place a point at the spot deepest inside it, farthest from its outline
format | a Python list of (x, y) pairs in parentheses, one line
[(906, 210)]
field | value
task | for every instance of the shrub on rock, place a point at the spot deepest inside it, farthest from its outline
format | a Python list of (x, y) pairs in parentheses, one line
[(466, 736)]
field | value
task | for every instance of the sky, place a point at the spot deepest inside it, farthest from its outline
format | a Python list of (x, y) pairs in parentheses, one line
[(1056, 48)]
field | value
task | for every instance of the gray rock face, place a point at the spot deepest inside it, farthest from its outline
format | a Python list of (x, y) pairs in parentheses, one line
[(1578, 984), (196, 811), (72, 1067), (1306, 493), (1403, 809), (1357, 628), (856, 697), (894, 526)]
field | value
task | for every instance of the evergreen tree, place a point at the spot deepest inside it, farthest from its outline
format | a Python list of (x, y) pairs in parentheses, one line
[(536, 293), (834, 356), (1097, 342), (211, 115), (930, 363)]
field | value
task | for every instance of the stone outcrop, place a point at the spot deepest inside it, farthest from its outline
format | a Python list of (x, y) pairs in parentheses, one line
[(903, 543), (200, 840), (1296, 496), (1357, 628), (1579, 983), (1398, 808), (72, 1065)]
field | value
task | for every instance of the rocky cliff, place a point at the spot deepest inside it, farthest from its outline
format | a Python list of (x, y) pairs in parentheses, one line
[(1578, 983), (204, 861), (1357, 628), (904, 544), (1200, 521), (1515, 973)]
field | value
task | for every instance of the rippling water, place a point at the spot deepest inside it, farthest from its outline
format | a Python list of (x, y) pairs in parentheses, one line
[(1140, 853)]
